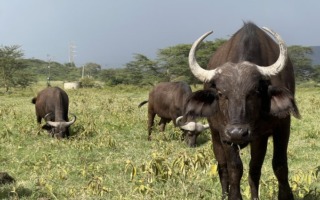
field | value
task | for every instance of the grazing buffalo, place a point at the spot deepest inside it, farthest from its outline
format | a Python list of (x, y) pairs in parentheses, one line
[(52, 104), (248, 96), (167, 100)]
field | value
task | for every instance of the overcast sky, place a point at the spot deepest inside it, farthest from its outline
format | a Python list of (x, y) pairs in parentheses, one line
[(110, 32)]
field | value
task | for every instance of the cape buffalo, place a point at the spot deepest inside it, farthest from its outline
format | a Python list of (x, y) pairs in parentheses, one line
[(248, 96), (167, 100), (52, 104)]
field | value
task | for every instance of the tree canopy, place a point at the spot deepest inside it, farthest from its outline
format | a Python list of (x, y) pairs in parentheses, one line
[(11, 68), (300, 57), (171, 64)]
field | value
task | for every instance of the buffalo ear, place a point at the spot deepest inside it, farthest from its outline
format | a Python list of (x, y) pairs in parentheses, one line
[(34, 100), (201, 103), (282, 102), (47, 127)]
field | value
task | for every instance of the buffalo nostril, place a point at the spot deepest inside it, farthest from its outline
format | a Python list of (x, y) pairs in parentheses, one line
[(237, 132), (245, 133)]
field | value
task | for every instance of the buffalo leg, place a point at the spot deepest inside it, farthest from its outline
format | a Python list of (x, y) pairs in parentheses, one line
[(68, 132), (39, 124), (151, 116), (222, 163), (279, 161), (258, 152), (162, 124), (39, 119), (235, 170)]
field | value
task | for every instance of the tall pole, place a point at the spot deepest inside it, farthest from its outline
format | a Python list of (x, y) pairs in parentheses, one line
[(48, 78), (72, 52), (82, 71)]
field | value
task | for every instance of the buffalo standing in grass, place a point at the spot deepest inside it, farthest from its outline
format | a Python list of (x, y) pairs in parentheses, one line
[(248, 96), (167, 100), (52, 104)]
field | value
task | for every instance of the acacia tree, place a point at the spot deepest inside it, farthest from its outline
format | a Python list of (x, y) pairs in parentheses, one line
[(170, 65), (142, 71), (91, 69), (316, 74), (113, 76), (302, 63), (174, 60), (11, 67)]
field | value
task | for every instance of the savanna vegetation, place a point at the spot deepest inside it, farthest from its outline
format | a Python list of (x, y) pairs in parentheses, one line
[(109, 157)]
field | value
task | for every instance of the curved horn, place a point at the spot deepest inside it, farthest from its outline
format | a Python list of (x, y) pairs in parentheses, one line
[(47, 115), (195, 126), (206, 126), (72, 121), (55, 124), (178, 121), (200, 73), (191, 126), (275, 68)]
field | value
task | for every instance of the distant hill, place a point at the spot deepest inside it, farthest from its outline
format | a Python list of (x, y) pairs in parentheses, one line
[(316, 55)]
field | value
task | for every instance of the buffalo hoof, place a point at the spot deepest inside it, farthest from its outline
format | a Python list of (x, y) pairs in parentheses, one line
[(5, 178)]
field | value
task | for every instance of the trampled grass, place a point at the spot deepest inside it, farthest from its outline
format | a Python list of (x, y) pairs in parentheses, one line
[(109, 157)]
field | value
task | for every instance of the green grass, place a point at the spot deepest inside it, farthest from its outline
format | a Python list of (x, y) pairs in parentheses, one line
[(109, 157)]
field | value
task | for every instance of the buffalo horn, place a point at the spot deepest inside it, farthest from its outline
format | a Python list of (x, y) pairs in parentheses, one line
[(200, 73), (178, 121), (266, 71), (276, 67), (47, 115), (192, 126), (66, 124), (195, 126)]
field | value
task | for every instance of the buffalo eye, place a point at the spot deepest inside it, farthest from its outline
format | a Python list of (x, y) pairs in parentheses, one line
[(254, 93), (222, 96), (223, 102)]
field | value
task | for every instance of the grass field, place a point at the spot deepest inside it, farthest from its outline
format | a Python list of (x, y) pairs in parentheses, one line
[(109, 157)]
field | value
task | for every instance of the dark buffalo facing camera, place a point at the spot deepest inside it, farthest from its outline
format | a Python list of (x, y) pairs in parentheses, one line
[(52, 105), (167, 100), (248, 96)]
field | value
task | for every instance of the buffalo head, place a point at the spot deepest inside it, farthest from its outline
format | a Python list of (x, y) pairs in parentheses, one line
[(191, 130), (238, 95), (57, 129)]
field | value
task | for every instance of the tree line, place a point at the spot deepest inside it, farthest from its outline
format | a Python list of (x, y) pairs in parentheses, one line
[(171, 64)]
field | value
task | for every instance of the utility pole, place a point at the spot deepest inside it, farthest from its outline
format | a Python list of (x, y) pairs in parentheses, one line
[(82, 71), (72, 52), (48, 73)]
